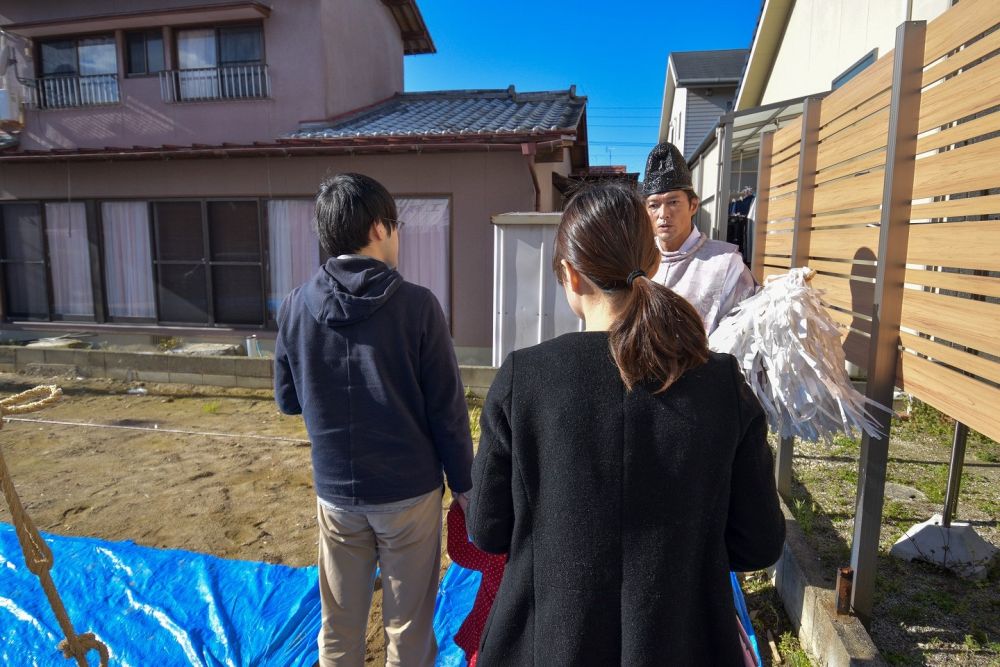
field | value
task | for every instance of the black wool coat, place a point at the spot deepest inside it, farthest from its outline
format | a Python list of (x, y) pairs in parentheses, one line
[(622, 511)]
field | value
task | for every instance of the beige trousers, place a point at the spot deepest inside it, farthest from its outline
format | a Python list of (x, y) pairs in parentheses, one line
[(406, 544)]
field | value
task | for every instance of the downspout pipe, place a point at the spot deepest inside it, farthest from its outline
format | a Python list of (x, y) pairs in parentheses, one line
[(529, 150)]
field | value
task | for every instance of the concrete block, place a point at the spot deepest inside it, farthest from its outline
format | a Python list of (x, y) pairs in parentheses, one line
[(218, 380), (181, 363), (806, 591), (185, 378), (252, 382), (258, 368), (8, 368), (27, 356), (51, 370), (215, 365), (64, 357), (90, 362), (152, 376), (478, 378), (8, 354), (119, 373)]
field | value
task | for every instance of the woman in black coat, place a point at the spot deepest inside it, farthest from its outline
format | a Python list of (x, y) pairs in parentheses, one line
[(624, 469)]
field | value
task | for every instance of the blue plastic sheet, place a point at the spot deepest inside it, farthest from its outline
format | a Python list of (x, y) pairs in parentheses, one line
[(177, 608), (741, 609)]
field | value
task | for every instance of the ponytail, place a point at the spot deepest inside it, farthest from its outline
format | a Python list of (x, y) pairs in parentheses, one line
[(606, 235), (657, 336)]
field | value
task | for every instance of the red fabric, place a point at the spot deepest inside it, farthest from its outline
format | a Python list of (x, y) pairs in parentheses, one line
[(465, 553)]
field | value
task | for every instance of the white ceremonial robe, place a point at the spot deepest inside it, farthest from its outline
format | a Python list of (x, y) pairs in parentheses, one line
[(710, 274)]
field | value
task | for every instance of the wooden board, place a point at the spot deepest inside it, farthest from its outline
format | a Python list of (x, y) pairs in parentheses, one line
[(960, 245), (787, 137), (847, 193), (851, 295), (970, 363), (963, 321), (963, 132), (781, 225), (958, 60), (773, 271), (778, 262), (965, 169), (966, 399), (866, 135), (844, 243), (957, 25), (956, 282), (781, 208), (778, 244), (860, 271), (859, 90), (785, 172), (859, 165), (782, 190), (870, 216), (956, 208), (970, 92), (866, 108)]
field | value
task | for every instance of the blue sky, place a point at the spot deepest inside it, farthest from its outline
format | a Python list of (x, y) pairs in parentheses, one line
[(615, 53)]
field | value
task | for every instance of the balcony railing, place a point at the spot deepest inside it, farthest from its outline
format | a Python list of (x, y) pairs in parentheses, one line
[(67, 92), (232, 82)]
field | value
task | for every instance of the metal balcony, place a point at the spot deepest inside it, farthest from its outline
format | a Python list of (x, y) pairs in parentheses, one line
[(232, 82), (67, 92)]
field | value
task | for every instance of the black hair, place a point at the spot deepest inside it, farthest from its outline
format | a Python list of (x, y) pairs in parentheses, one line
[(347, 206)]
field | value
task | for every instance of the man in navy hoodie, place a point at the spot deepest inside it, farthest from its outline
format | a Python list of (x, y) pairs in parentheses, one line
[(366, 358)]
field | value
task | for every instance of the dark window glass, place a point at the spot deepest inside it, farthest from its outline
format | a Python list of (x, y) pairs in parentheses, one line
[(234, 231), (59, 58), (135, 44), (25, 284), (26, 291), (22, 233), (238, 294), (179, 232), (183, 294), (854, 70), (145, 51), (240, 44)]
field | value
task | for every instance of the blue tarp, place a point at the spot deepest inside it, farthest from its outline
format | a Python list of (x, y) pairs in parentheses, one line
[(176, 608), (173, 608)]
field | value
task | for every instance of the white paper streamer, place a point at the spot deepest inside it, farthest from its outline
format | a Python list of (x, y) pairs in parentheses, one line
[(790, 351)]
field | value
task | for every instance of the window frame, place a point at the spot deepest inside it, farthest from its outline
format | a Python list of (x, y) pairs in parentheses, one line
[(75, 38), (216, 27), (856, 68), (127, 54)]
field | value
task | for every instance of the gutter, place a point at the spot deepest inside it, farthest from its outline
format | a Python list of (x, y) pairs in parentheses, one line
[(529, 150), (270, 150)]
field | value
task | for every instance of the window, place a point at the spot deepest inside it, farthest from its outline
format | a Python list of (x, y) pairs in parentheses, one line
[(425, 246), (25, 284), (128, 276), (854, 69), (144, 52), (221, 63), (46, 261), (294, 253), (78, 72), (209, 262)]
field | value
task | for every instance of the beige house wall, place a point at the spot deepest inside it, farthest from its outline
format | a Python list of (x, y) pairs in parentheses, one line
[(359, 62), (480, 185), (824, 38)]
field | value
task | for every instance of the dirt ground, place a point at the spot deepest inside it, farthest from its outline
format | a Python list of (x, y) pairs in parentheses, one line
[(240, 492)]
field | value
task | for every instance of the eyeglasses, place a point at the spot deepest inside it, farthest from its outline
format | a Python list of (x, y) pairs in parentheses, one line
[(399, 223)]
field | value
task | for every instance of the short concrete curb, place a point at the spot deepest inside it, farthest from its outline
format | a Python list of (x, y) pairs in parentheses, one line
[(829, 639)]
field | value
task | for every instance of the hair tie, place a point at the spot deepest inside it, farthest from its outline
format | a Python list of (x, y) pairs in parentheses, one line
[(632, 276)]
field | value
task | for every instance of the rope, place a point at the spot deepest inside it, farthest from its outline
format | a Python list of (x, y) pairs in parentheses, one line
[(37, 555)]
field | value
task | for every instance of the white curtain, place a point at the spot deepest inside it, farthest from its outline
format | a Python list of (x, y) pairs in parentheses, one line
[(128, 265), (69, 255), (196, 58), (425, 248), (293, 244)]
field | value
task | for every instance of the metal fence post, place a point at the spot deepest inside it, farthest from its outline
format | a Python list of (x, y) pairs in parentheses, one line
[(955, 473), (883, 354), (760, 217)]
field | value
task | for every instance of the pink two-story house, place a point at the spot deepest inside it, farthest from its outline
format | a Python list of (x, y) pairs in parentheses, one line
[(160, 157)]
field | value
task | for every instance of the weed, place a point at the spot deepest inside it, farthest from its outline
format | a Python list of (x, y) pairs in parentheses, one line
[(940, 600), (845, 446), (934, 482), (168, 343), (804, 513), (848, 474), (792, 652), (211, 408), (475, 412)]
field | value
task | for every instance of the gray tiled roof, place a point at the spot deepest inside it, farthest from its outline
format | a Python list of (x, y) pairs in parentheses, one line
[(456, 112), (708, 65)]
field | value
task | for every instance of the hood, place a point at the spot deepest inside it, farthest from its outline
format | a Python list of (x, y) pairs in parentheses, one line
[(350, 289)]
